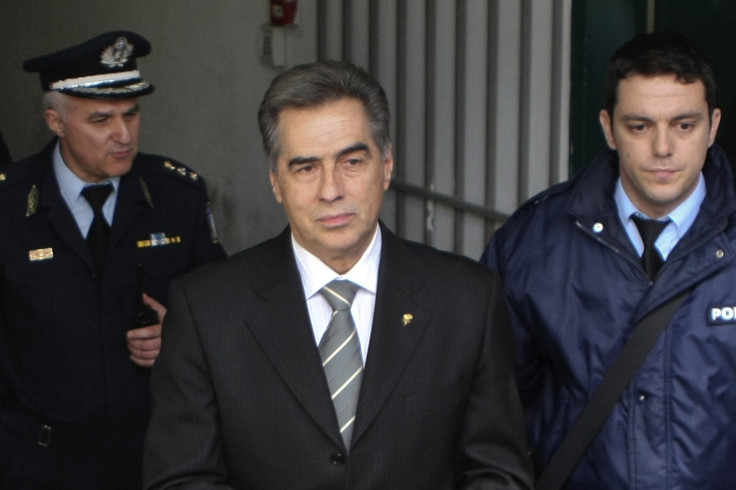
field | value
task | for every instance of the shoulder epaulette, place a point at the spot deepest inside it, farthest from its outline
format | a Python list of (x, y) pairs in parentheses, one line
[(181, 170), (168, 166)]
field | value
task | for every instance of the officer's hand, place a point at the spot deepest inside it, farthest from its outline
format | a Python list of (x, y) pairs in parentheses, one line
[(144, 343)]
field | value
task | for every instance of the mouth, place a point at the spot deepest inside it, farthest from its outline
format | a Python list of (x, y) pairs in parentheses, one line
[(662, 173), (122, 154), (336, 220)]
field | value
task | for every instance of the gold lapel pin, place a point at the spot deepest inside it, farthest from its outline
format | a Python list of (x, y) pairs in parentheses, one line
[(407, 318)]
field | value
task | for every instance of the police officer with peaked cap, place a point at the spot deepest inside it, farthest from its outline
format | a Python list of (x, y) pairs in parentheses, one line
[(82, 284)]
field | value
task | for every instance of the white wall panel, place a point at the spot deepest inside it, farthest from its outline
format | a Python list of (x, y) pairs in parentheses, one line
[(478, 90)]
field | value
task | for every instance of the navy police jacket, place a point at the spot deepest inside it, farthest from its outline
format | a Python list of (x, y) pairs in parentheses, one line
[(63, 356), (576, 288)]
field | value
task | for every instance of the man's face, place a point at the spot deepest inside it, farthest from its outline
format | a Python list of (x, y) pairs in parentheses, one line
[(331, 179), (661, 130), (99, 138)]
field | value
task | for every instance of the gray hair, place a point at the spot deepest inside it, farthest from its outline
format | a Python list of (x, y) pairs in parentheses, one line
[(316, 84), (56, 101)]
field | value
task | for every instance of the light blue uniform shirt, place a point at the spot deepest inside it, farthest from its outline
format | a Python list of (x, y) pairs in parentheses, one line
[(71, 187), (681, 218)]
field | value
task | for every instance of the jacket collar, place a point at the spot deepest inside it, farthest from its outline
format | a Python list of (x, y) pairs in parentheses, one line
[(596, 210)]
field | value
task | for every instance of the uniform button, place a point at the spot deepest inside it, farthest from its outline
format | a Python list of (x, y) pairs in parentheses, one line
[(642, 398), (337, 459), (598, 227)]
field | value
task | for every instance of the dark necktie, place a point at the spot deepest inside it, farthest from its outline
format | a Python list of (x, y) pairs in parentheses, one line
[(98, 237), (341, 357), (649, 230)]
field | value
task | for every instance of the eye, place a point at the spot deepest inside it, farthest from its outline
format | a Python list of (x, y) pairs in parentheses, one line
[(686, 126), (352, 162), (637, 127), (306, 168)]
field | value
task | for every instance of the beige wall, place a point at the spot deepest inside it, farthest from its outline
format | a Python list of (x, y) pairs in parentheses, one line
[(209, 81)]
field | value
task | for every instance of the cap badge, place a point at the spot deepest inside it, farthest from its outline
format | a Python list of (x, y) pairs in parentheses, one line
[(116, 56)]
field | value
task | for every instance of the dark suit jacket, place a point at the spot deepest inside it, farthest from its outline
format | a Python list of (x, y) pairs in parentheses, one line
[(64, 362), (241, 401)]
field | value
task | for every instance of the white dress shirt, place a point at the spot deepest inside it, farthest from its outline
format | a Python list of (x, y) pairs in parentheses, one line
[(316, 274)]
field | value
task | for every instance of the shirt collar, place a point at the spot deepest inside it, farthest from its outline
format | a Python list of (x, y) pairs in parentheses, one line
[(69, 184), (683, 216), (315, 274)]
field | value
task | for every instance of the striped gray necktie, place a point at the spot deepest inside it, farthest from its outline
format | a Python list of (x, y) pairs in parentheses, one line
[(341, 357)]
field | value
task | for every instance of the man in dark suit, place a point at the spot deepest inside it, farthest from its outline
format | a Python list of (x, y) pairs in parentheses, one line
[(407, 385), (77, 332)]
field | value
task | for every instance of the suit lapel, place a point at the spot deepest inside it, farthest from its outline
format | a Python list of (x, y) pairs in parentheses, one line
[(399, 323), (130, 202), (283, 330), (59, 215)]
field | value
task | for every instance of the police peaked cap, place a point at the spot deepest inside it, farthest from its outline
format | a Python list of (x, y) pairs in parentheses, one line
[(102, 68)]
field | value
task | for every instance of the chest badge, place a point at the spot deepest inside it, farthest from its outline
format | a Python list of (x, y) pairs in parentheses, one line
[(158, 240), (40, 254)]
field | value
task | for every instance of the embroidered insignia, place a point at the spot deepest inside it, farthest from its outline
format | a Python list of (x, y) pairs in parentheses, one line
[(146, 193), (116, 56), (40, 254), (158, 240), (407, 318), (169, 165), (32, 201), (211, 222), (193, 176)]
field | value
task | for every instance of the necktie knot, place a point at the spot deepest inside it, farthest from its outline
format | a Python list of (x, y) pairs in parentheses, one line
[(96, 195), (649, 229), (339, 294)]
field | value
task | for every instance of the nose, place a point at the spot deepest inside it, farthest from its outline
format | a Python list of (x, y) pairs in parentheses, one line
[(662, 144), (122, 132), (331, 185)]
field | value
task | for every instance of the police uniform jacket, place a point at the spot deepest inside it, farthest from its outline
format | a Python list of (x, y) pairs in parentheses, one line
[(576, 288), (63, 356)]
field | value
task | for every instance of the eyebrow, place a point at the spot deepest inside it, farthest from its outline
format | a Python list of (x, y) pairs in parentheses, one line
[(679, 117), (357, 147), (136, 108)]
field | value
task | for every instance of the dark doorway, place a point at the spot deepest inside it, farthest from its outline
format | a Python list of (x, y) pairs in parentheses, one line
[(600, 26)]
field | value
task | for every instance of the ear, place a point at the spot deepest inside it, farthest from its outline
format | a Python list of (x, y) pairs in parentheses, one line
[(715, 120), (607, 125), (275, 186), (388, 167), (54, 122)]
